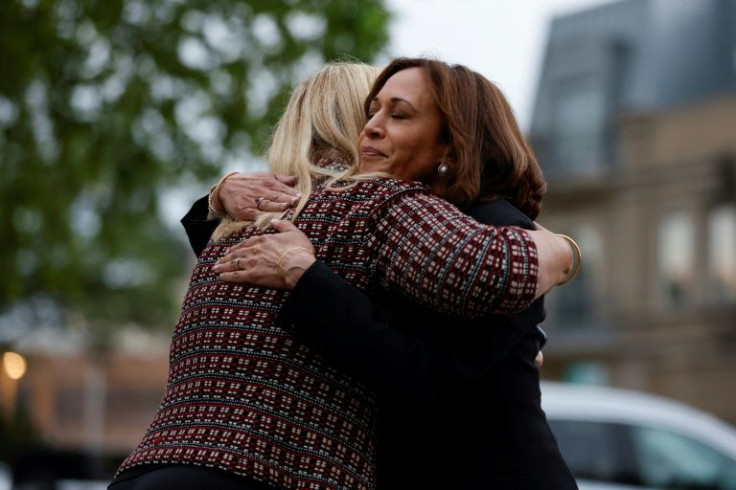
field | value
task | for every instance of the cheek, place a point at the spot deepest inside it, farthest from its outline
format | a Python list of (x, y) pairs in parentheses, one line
[(416, 159), (420, 166), (410, 147)]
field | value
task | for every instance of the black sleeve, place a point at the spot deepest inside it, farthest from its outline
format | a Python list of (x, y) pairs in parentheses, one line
[(343, 322), (199, 229)]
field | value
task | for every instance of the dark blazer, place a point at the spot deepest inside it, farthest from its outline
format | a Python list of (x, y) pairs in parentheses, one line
[(461, 403)]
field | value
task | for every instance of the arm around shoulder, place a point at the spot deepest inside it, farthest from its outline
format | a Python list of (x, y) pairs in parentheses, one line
[(449, 262)]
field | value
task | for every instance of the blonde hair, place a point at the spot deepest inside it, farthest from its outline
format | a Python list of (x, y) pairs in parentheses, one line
[(323, 118)]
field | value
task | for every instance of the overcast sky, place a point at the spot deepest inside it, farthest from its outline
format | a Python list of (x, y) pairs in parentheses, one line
[(502, 39)]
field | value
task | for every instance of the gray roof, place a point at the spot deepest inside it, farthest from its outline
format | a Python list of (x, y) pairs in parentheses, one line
[(638, 56)]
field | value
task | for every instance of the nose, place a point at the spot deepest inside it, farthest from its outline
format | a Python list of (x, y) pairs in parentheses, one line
[(374, 127)]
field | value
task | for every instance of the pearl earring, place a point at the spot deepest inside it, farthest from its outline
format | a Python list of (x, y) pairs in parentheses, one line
[(443, 169)]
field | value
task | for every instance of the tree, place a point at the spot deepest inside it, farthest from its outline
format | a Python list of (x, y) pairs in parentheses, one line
[(106, 104)]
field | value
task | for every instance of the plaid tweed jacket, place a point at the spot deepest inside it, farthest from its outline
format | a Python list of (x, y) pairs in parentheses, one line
[(244, 395)]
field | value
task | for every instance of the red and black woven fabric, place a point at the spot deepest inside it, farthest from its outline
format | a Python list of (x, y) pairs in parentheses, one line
[(245, 395)]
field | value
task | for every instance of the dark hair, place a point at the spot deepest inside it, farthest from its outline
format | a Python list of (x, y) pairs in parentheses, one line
[(488, 155)]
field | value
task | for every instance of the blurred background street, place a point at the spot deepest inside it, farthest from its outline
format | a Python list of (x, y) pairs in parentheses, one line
[(116, 115)]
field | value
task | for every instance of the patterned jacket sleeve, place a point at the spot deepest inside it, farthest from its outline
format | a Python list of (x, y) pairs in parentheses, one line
[(441, 258)]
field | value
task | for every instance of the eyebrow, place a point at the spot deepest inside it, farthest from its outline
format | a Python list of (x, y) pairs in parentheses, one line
[(395, 100)]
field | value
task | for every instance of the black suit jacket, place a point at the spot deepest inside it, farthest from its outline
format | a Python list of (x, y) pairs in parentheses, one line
[(461, 403)]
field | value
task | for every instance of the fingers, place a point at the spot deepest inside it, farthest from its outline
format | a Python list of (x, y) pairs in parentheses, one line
[(277, 190), (256, 269), (247, 196), (289, 180), (235, 276), (267, 279), (269, 241), (229, 263), (277, 204), (282, 226), (248, 214), (239, 251), (290, 197), (249, 252), (247, 243), (242, 262)]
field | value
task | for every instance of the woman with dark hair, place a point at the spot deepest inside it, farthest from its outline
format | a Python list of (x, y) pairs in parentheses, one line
[(461, 402), (250, 400)]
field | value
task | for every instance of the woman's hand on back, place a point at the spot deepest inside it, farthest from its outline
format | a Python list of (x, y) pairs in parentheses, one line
[(275, 260), (246, 196)]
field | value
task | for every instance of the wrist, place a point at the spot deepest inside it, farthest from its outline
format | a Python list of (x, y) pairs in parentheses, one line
[(214, 210), (214, 206), (573, 256), (292, 264), (296, 269)]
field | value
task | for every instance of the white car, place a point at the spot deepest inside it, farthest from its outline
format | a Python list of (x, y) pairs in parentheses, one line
[(6, 478), (616, 439)]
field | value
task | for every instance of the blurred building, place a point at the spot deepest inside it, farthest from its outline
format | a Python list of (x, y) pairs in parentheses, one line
[(82, 403), (635, 127), (97, 405)]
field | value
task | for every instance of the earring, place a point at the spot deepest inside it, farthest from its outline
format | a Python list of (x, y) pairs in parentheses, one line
[(443, 169)]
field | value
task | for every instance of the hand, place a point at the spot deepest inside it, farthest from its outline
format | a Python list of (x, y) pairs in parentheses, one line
[(275, 260), (246, 196), (539, 360)]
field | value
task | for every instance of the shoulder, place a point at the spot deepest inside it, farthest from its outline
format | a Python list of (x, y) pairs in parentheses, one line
[(384, 202), (388, 186), (414, 198), (383, 191), (364, 199)]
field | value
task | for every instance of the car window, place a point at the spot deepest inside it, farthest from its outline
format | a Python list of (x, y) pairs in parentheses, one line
[(595, 450), (673, 461)]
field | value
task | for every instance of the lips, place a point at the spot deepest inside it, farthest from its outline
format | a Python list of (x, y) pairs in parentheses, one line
[(369, 151)]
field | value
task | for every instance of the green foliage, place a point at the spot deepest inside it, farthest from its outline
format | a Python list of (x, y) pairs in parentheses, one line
[(107, 104)]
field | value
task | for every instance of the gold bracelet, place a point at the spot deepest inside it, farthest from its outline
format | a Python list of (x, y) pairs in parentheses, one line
[(577, 259), (214, 197), (283, 255), (210, 209)]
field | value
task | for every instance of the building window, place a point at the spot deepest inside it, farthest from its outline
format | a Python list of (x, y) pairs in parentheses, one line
[(578, 127), (588, 373), (676, 258), (722, 253), (69, 405), (132, 405)]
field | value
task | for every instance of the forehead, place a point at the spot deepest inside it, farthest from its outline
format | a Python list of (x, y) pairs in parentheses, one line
[(410, 84)]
